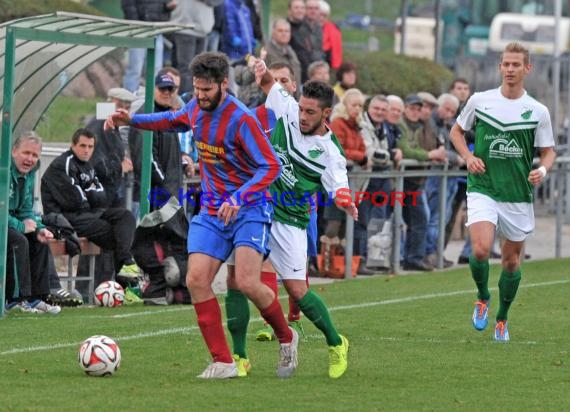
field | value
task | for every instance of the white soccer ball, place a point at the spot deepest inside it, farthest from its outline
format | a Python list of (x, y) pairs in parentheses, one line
[(110, 294), (99, 356)]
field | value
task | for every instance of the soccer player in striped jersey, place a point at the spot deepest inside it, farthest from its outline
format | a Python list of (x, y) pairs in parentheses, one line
[(510, 126), (237, 165)]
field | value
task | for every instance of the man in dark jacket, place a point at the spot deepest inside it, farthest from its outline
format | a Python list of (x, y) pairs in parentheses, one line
[(166, 166), (306, 36), (111, 158), (71, 187)]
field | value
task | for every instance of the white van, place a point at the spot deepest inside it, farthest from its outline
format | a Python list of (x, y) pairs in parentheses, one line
[(420, 39), (534, 32)]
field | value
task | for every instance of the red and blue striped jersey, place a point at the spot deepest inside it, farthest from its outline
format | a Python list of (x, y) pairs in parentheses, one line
[(236, 157)]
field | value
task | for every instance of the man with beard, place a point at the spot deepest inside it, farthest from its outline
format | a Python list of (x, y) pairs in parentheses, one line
[(237, 165)]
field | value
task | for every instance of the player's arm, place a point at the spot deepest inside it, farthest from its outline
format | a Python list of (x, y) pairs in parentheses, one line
[(457, 137), (547, 158), (162, 121)]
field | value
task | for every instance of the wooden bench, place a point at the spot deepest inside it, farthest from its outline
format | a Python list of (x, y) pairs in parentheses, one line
[(88, 248)]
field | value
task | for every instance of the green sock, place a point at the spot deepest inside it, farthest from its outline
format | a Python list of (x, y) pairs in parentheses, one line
[(237, 315), (480, 274), (508, 286), (315, 309)]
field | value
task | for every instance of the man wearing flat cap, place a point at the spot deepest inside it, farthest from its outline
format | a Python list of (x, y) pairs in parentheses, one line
[(111, 158), (416, 143)]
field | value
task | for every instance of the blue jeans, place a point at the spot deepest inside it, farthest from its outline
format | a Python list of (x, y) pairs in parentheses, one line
[(432, 194), (135, 64)]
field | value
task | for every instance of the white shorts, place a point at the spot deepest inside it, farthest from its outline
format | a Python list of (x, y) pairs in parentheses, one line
[(514, 221), (288, 246)]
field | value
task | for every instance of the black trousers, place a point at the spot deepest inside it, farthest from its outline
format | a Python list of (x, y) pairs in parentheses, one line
[(112, 230), (27, 267)]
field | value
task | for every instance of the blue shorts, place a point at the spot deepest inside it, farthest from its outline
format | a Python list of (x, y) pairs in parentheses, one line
[(210, 236), (312, 234)]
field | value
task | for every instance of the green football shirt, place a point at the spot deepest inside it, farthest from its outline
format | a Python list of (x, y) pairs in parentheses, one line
[(507, 133), (309, 163)]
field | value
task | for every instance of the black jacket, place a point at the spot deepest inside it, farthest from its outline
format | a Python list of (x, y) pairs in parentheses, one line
[(107, 159), (71, 187), (166, 166), (146, 10)]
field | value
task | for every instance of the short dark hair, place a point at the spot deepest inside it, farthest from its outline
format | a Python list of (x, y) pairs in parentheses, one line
[(213, 66), (321, 91), (82, 132), (280, 64), (345, 67)]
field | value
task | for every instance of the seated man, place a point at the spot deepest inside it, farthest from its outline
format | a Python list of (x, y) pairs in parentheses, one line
[(28, 256), (71, 187)]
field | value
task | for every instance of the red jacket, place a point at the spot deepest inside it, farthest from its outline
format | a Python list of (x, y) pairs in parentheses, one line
[(332, 44), (348, 134)]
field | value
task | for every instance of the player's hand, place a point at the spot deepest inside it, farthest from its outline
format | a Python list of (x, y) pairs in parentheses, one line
[(44, 235), (228, 211), (535, 177), (121, 117), (475, 165), (351, 210), (259, 68)]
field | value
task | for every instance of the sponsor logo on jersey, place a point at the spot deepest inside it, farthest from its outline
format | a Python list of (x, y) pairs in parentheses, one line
[(503, 149), (526, 114), (316, 152), (287, 170)]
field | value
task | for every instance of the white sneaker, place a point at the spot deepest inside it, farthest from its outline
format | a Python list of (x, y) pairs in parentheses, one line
[(20, 307), (288, 356), (42, 307), (220, 370)]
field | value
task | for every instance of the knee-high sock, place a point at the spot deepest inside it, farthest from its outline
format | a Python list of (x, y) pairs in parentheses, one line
[(508, 286), (315, 309), (294, 309), (480, 274), (237, 315), (273, 314), (210, 322), (270, 279)]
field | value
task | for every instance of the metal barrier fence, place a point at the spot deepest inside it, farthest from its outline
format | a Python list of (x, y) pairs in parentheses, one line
[(552, 194)]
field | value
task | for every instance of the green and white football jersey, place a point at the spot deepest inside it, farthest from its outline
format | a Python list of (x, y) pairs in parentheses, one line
[(507, 131), (308, 162)]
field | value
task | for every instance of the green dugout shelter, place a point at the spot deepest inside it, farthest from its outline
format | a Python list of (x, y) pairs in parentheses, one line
[(39, 56)]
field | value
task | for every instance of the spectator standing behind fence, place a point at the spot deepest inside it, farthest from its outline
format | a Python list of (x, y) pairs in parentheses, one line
[(71, 187), (345, 124), (417, 144), (278, 48), (166, 160), (440, 123), (238, 39), (144, 10), (332, 36), (383, 153), (345, 79), (188, 43), (306, 39), (27, 254)]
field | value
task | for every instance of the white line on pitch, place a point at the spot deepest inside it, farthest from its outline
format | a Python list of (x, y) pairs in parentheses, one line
[(174, 331)]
